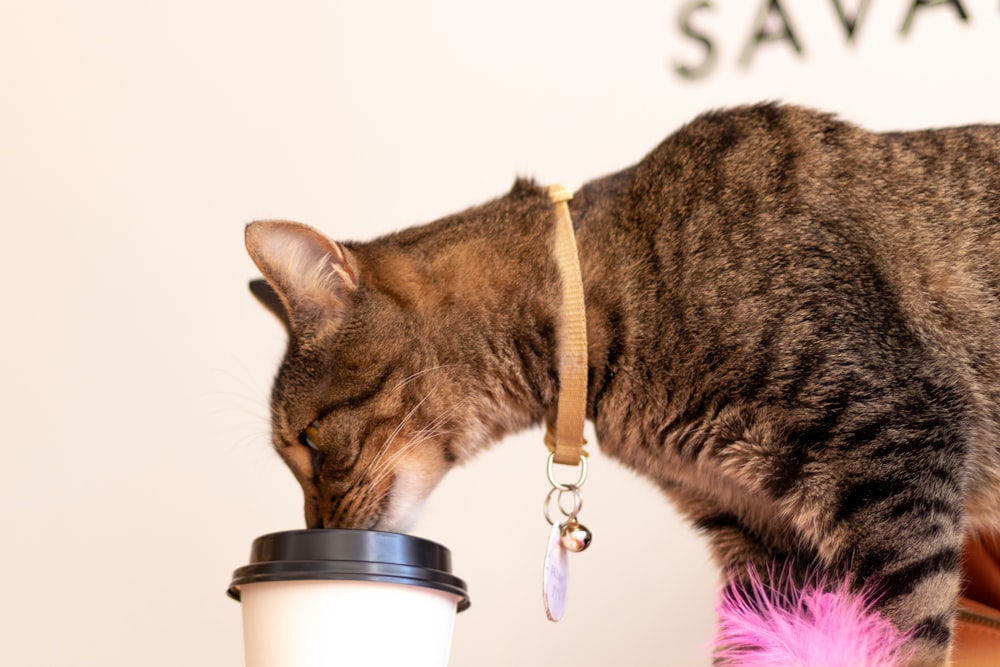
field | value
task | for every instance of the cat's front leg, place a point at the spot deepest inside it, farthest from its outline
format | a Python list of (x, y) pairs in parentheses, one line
[(888, 606), (891, 519), (906, 556), (864, 524)]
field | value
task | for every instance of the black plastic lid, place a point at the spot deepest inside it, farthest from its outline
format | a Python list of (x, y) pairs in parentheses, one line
[(340, 553)]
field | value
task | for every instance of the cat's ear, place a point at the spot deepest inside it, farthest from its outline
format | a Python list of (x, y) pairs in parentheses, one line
[(312, 276)]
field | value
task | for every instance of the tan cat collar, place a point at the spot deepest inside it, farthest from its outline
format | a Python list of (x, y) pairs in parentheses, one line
[(566, 439)]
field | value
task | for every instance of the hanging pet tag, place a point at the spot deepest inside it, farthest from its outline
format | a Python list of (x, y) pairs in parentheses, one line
[(554, 575), (565, 536)]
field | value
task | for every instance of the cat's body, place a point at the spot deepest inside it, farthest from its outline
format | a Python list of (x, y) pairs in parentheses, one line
[(794, 331)]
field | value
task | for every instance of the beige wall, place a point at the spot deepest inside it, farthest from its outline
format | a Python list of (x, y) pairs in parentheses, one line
[(136, 140)]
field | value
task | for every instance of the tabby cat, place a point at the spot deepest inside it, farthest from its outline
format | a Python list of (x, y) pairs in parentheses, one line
[(794, 331)]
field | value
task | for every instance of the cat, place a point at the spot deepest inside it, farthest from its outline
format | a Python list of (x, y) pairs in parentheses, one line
[(793, 326)]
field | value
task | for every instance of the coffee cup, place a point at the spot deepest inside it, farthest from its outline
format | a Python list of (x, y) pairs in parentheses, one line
[(347, 597)]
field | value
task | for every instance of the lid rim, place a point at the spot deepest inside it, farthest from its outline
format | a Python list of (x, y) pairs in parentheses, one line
[(351, 555), (457, 589)]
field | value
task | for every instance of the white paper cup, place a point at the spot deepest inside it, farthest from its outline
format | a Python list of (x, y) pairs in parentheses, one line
[(347, 597)]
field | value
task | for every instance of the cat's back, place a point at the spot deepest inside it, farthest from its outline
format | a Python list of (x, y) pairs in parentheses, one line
[(754, 179), (778, 213), (773, 158)]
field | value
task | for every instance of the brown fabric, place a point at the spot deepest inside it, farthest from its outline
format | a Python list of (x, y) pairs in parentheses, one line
[(977, 629), (977, 635), (982, 570)]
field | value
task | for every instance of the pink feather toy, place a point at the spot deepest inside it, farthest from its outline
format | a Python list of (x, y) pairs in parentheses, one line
[(819, 625)]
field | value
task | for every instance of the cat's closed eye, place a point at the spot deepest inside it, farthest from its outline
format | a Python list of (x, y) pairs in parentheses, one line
[(310, 438)]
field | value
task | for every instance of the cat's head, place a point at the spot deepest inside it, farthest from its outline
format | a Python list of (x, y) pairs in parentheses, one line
[(365, 412)]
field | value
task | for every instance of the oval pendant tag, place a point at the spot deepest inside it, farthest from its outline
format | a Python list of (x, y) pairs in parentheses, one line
[(554, 575)]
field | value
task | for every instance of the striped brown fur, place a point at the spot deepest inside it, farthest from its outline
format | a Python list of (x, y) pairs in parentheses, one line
[(794, 331)]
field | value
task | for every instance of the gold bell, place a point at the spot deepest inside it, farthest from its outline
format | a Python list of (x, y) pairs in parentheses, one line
[(574, 536)]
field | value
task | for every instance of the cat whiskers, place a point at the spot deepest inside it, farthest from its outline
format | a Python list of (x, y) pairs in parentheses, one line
[(380, 458), (410, 378), (385, 460), (376, 470), (378, 463), (381, 465)]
